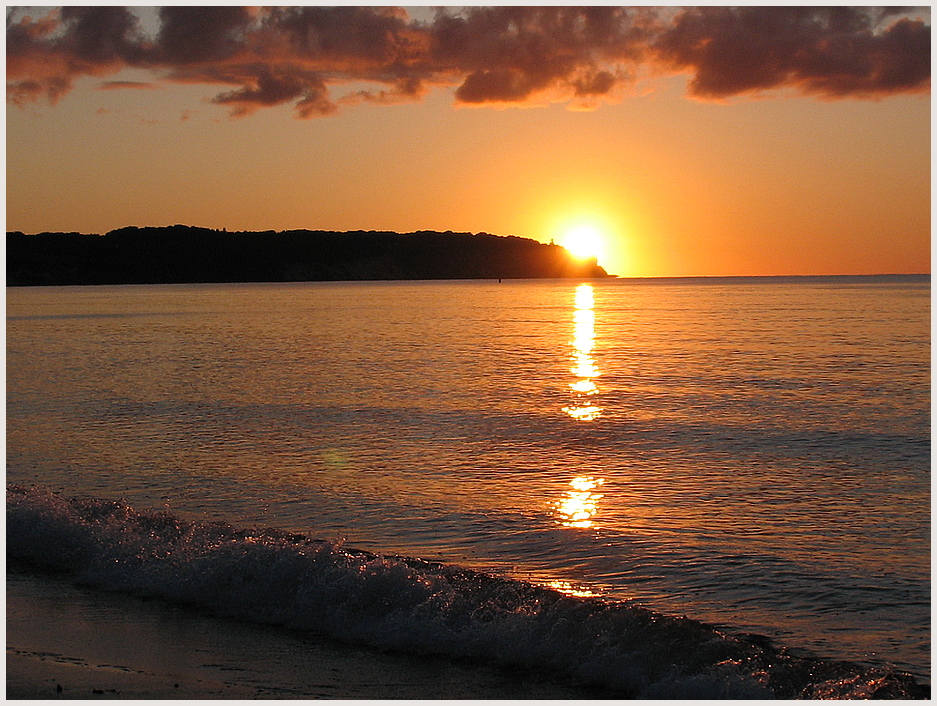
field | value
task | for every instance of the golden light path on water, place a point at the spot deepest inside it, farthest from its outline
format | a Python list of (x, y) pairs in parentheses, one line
[(579, 504), (584, 368), (571, 590)]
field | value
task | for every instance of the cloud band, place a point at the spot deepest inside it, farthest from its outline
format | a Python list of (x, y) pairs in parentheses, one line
[(499, 55)]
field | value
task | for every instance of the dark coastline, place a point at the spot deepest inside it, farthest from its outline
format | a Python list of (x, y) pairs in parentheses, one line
[(185, 254)]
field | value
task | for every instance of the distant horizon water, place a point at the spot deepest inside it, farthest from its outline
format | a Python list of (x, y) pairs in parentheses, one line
[(869, 277)]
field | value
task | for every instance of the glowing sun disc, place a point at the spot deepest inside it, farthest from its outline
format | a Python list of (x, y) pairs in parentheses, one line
[(584, 241)]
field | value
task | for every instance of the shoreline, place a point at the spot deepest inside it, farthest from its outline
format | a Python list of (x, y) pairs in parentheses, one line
[(70, 642)]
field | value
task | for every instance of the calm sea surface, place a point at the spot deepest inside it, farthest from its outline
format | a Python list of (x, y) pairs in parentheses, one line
[(753, 453)]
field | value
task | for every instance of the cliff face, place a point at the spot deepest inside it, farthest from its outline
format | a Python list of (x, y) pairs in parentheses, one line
[(177, 254)]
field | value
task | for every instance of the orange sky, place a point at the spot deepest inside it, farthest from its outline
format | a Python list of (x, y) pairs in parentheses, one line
[(504, 121)]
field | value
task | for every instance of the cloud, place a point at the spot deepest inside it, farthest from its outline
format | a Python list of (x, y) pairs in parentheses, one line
[(263, 86), (511, 54), (45, 56), (192, 35), (115, 85), (834, 52), (300, 56)]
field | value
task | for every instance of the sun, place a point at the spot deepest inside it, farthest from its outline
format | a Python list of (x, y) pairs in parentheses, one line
[(584, 241)]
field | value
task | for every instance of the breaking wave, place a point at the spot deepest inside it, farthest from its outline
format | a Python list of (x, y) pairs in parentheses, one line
[(410, 605)]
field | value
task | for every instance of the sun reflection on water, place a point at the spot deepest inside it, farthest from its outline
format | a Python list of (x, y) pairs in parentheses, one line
[(580, 504), (570, 590), (584, 367)]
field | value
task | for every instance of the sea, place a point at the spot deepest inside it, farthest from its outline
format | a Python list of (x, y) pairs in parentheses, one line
[(693, 487)]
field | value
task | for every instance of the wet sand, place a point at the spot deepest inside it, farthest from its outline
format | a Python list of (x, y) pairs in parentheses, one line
[(69, 642)]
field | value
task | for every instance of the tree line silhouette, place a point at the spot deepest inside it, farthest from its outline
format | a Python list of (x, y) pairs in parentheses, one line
[(187, 254)]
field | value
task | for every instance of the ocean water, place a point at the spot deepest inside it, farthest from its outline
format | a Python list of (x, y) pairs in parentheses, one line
[(700, 487)]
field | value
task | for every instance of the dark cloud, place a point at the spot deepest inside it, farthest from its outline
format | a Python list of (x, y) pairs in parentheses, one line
[(190, 35), (44, 56), (101, 36), (348, 38), (508, 55), (596, 84), (114, 85), (264, 87), (512, 53), (831, 51), (405, 89)]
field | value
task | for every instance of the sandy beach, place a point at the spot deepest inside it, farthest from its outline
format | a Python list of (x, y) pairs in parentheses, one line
[(68, 642)]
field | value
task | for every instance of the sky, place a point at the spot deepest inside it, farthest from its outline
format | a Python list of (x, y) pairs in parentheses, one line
[(698, 141)]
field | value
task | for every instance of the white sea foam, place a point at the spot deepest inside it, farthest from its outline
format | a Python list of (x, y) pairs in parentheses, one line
[(407, 604)]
